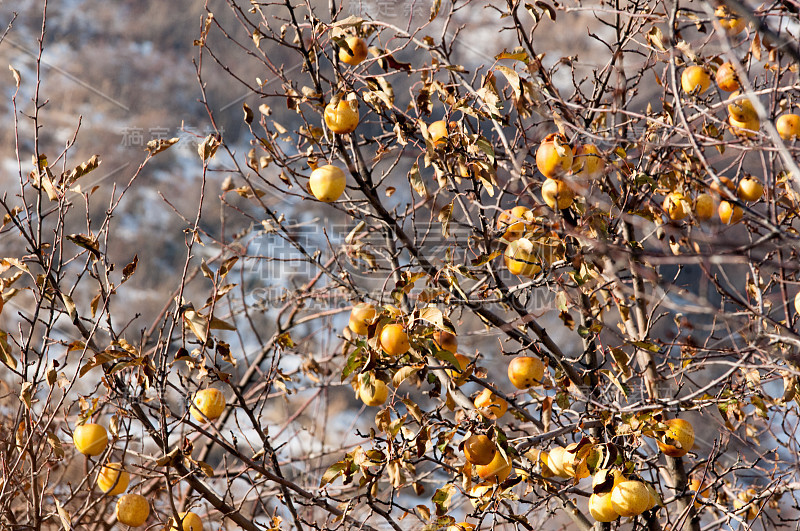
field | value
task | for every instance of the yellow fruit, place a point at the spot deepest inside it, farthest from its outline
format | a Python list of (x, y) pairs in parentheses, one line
[(490, 405), (543, 460), (750, 189), (113, 479), (557, 194), (438, 132), (90, 439), (132, 510), (462, 373), (461, 526), (208, 404), (608, 478), (695, 78), (745, 128), (343, 117), (513, 222), (601, 509), (555, 461), (743, 500), (476, 493), (588, 162), (726, 78), (788, 126), (704, 206), (554, 156), (479, 449), (525, 372), (327, 183), (630, 498), (446, 341), (361, 315), (497, 470), (729, 213), (190, 522), (678, 439), (357, 46), (741, 109), (373, 393), (568, 463), (520, 258), (730, 22), (674, 206), (394, 340)]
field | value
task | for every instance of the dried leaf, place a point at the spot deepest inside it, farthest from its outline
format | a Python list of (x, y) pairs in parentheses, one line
[(88, 243), (15, 73), (158, 145), (130, 269), (208, 147)]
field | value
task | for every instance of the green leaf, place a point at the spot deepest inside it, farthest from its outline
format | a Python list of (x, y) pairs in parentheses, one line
[(442, 498), (333, 472), (354, 362)]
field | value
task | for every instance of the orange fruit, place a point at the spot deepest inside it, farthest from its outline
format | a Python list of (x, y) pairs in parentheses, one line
[(361, 315), (726, 183), (358, 48), (497, 470), (342, 118), (695, 79), (513, 222), (207, 404), (674, 206), (525, 372), (744, 128), (90, 439), (788, 126), (394, 340), (554, 156), (730, 22), (678, 439), (726, 78), (189, 522), (729, 213), (741, 109), (462, 372), (750, 189), (557, 194), (490, 405), (630, 498), (446, 341), (479, 449), (588, 162), (702, 490), (327, 183), (132, 510), (113, 479), (704, 206)]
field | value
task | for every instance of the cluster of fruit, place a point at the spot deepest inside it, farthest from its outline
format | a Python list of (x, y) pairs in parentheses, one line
[(132, 509)]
